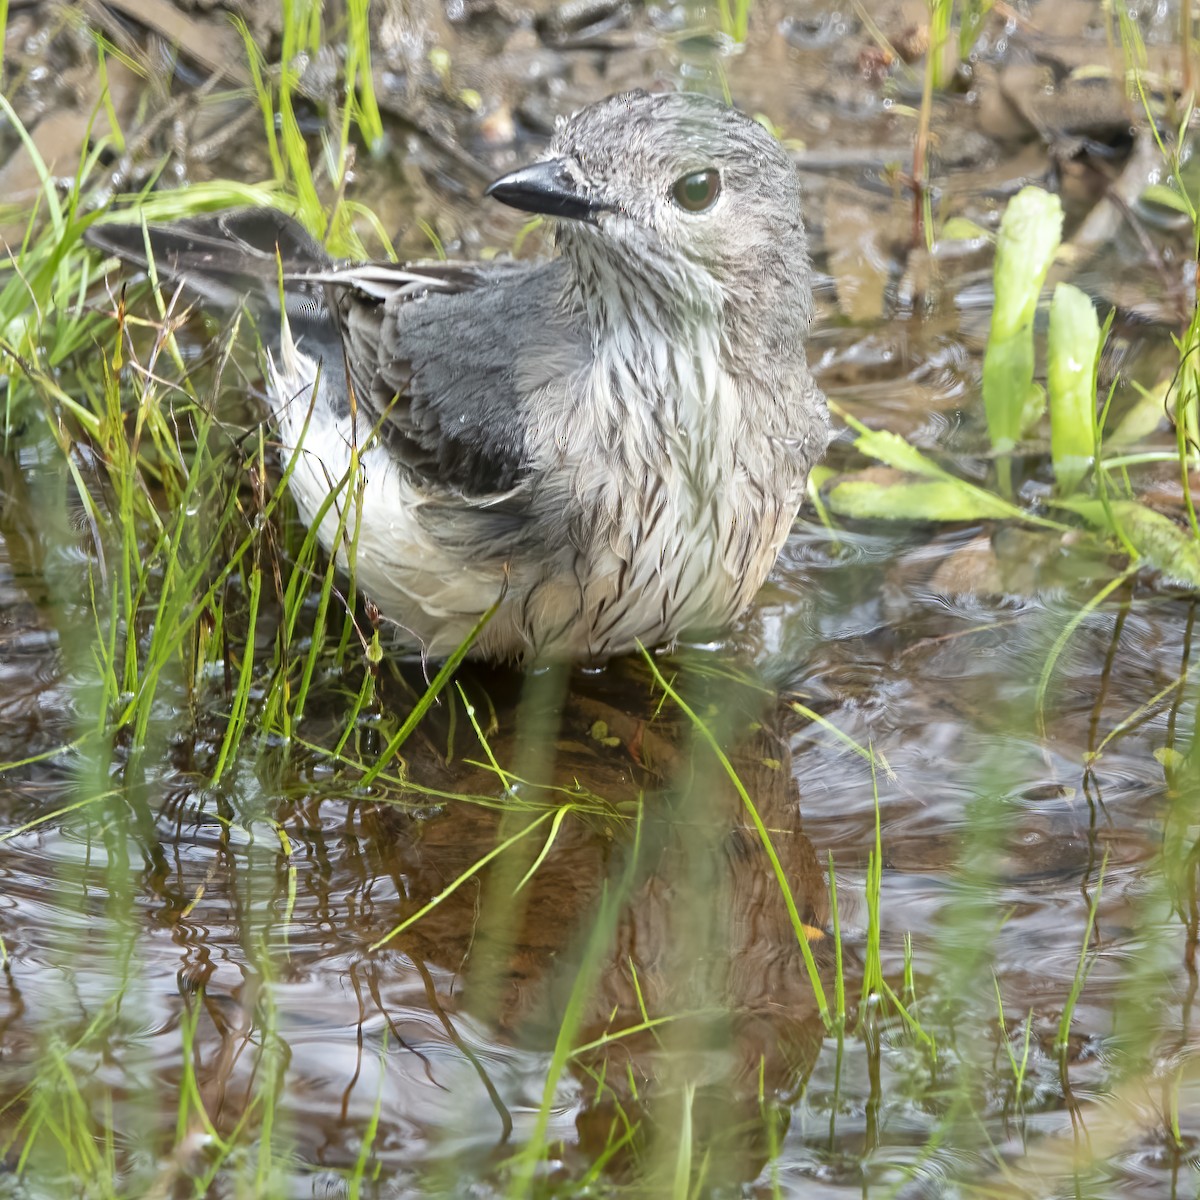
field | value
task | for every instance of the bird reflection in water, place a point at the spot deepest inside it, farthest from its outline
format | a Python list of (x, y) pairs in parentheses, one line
[(658, 913)]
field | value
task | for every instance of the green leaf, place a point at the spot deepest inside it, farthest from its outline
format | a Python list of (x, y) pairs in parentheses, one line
[(1169, 758), (1148, 412), (1029, 236), (1156, 538), (1030, 233), (962, 229), (894, 451), (926, 500), (1073, 348), (1166, 197)]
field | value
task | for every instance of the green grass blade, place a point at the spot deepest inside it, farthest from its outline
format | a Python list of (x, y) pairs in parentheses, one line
[(431, 694), (801, 930)]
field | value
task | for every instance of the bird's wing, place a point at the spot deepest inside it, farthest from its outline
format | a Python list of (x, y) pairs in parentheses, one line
[(443, 357), (435, 353)]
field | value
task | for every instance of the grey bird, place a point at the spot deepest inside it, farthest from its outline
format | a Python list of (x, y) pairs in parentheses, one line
[(609, 445)]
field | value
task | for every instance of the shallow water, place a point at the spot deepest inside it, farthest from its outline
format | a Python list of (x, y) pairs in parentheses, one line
[(215, 963)]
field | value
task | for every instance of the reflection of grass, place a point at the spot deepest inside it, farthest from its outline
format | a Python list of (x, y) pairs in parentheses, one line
[(803, 932)]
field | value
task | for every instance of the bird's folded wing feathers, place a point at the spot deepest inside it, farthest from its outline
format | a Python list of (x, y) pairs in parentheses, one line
[(432, 351)]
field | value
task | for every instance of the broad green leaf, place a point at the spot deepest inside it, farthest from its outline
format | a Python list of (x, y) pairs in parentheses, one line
[(926, 500), (891, 449), (1030, 232), (1071, 372), (1029, 236), (1156, 538), (894, 451), (1034, 406)]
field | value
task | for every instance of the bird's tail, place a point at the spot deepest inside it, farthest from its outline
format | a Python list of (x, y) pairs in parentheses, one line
[(228, 259), (266, 262)]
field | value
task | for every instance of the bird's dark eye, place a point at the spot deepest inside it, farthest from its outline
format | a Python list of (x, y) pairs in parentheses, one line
[(698, 191)]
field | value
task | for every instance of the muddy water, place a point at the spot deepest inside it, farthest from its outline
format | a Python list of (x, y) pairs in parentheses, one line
[(311, 965)]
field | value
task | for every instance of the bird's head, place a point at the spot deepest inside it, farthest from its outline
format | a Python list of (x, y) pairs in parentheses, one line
[(677, 206)]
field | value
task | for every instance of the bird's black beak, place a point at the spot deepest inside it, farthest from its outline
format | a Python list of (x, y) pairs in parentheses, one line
[(549, 188)]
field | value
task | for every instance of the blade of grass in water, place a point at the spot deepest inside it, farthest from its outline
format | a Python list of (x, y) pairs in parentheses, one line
[(444, 675), (359, 79), (872, 980), (367, 1144), (801, 930), (462, 878), (241, 697), (839, 975), (1082, 968), (595, 946)]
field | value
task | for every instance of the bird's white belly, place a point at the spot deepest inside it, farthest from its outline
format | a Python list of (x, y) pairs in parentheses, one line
[(694, 572), (683, 576), (681, 547)]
